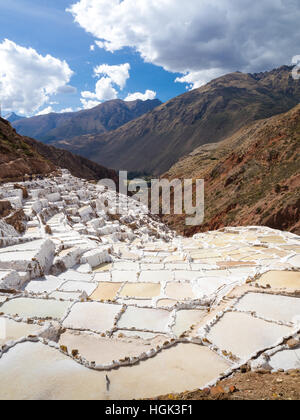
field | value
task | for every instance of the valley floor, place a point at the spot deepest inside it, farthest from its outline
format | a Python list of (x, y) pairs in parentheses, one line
[(97, 305)]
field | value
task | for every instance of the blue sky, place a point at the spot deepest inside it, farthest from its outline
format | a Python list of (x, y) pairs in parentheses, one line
[(45, 26), (46, 63)]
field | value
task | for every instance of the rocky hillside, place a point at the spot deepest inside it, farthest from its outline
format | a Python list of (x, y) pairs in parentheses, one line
[(157, 140), (77, 165), (105, 117), (21, 155), (252, 178), (17, 158)]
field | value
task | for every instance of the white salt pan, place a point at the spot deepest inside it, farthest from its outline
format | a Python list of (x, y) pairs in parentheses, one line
[(35, 308), (244, 335), (145, 319), (92, 316), (278, 308)]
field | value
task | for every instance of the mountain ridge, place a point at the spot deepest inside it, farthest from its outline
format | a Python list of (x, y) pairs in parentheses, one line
[(107, 116), (13, 117), (155, 141)]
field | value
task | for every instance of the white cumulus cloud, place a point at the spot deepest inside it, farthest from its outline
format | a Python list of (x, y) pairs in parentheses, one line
[(88, 104), (28, 79), (104, 91), (192, 37), (45, 111), (195, 79), (112, 79), (117, 74), (66, 110), (149, 94)]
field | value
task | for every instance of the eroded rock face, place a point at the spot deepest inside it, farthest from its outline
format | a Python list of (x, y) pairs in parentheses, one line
[(99, 290)]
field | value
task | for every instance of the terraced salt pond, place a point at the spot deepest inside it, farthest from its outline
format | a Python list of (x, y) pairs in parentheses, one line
[(11, 330), (47, 284), (123, 297), (74, 286), (185, 319), (106, 291), (278, 308), (145, 319), (92, 317), (61, 378), (102, 350), (72, 296), (286, 360), (281, 280), (243, 335), (141, 290), (35, 308), (179, 291)]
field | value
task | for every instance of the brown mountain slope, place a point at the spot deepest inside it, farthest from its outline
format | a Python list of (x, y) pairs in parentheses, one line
[(77, 165), (155, 141), (17, 158), (251, 178), (104, 117), (21, 155)]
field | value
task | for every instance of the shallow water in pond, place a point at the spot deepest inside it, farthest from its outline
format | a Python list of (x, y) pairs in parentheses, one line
[(244, 335), (66, 295), (52, 375), (102, 350), (286, 359), (92, 316), (185, 319), (166, 303), (145, 319), (281, 280), (35, 308), (11, 330), (179, 291), (275, 307), (141, 290), (106, 291)]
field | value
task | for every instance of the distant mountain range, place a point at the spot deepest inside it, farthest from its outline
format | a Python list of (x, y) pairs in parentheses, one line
[(105, 117), (240, 132), (155, 141), (20, 156), (12, 117)]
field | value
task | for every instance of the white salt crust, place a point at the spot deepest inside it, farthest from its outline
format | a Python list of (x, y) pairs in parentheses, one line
[(166, 291)]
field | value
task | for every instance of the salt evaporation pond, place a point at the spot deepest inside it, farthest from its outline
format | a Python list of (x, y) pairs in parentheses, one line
[(171, 371), (278, 308), (106, 291), (243, 335), (281, 280), (92, 316), (185, 319), (286, 360), (141, 290), (124, 289), (156, 320), (12, 330), (102, 350), (35, 308)]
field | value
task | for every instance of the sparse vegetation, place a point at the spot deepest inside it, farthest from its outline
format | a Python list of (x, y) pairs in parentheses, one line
[(249, 184)]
